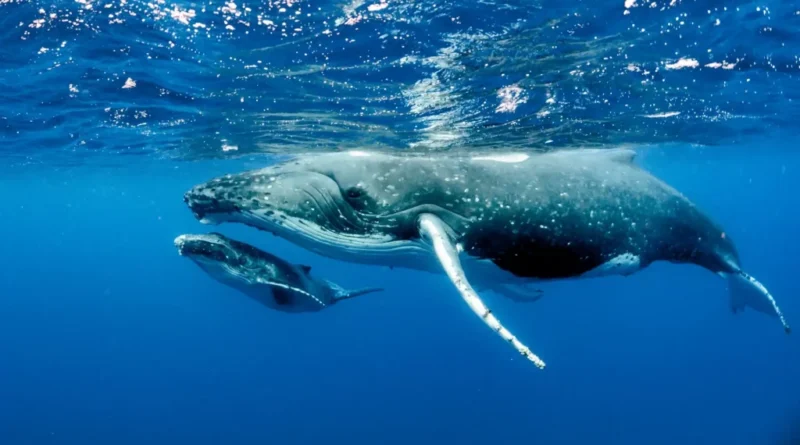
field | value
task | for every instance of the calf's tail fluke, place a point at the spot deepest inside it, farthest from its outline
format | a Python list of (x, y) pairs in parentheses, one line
[(366, 290), (341, 293), (747, 291)]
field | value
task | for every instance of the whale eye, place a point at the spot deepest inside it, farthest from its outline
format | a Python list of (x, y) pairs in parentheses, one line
[(354, 192), (358, 197)]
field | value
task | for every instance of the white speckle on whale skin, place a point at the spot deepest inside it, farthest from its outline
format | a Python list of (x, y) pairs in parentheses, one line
[(624, 264)]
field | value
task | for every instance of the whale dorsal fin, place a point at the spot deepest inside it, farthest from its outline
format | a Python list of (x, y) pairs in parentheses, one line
[(621, 155), (306, 268)]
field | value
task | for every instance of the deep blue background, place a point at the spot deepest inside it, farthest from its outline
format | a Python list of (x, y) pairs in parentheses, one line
[(108, 336)]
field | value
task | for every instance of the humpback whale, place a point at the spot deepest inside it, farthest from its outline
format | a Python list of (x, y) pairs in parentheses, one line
[(269, 280), (489, 222)]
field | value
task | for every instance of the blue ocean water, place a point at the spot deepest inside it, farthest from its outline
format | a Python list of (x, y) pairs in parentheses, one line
[(110, 111)]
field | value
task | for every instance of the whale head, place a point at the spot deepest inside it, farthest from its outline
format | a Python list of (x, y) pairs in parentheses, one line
[(222, 258), (353, 206)]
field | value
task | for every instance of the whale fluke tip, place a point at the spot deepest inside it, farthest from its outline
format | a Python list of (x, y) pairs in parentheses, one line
[(747, 291)]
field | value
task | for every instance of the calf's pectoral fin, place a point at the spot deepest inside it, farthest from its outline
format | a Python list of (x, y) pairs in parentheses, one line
[(435, 232), (282, 293), (282, 296)]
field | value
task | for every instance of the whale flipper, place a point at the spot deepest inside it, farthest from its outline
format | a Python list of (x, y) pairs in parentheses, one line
[(621, 155), (747, 291), (282, 292), (435, 232)]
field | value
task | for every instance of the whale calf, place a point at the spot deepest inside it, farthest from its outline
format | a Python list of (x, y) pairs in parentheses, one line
[(266, 278), (489, 222)]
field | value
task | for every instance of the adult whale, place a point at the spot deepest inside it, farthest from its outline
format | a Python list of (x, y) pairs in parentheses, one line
[(493, 221)]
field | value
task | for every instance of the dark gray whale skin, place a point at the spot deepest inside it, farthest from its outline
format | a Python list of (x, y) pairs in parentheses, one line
[(553, 215), (488, 222), (513, 219)]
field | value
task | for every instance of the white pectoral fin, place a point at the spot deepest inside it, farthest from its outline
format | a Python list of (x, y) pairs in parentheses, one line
[(435, 231), (747, 291)]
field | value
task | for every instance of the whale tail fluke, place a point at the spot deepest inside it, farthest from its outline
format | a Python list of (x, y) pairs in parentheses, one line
[(358, 292), (747, 291), (340, 293)]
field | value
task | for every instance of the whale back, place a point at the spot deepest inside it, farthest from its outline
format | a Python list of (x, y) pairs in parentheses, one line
[(563, 214)]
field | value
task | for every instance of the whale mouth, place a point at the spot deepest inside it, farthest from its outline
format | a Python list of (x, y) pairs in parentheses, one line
[(307, 208), (210, 247), (204, 206)]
